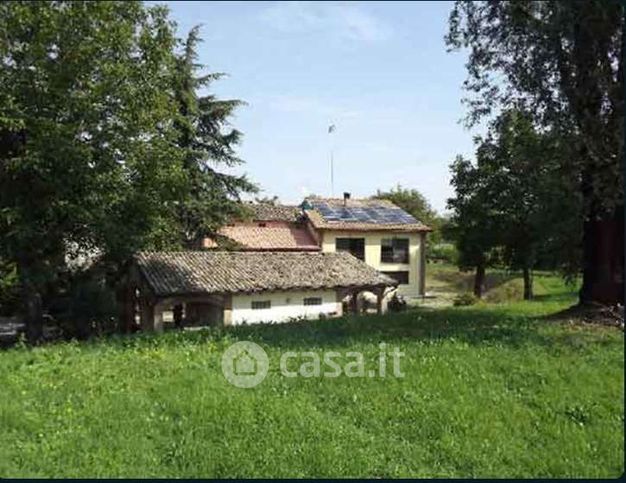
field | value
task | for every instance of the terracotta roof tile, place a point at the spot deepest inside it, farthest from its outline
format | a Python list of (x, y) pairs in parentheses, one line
[(283, 236), (177, 273), (269, 212)]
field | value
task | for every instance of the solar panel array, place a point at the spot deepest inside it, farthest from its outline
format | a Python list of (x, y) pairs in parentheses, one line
[(372, 213)]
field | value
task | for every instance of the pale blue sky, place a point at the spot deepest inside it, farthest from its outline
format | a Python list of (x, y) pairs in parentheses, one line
[(379, 71)]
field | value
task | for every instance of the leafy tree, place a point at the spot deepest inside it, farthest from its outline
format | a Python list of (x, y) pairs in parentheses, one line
[(269, 200), (473, 225), (527, 190), (208, 142), (88, 162), (414, 203), (562, 61)]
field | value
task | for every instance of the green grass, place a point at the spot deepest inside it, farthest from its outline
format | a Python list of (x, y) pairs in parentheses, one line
[(446, 282), (489, 390)]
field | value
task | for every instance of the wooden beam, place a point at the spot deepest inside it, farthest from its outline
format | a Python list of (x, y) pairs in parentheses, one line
[(421, 284), (379, 301), (146, 313)]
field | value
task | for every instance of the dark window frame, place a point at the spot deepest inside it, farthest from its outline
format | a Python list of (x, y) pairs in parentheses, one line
[(261, 304), (309, 301), (355, 246), (391, 252)]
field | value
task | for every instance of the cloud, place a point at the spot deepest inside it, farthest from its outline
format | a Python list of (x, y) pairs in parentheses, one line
[(341, 20)]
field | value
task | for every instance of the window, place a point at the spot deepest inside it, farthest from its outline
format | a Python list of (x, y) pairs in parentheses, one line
[(261, 304), (394, 250), (313, 301), (355, 246), (401, 277), (262, 225)]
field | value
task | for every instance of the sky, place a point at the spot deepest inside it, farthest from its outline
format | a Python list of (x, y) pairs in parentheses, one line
[(378, 71)]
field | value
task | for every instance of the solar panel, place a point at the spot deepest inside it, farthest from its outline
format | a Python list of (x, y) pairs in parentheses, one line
[(372, 213)]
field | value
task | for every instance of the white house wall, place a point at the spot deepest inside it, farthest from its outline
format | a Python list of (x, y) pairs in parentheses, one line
[(284, 306)]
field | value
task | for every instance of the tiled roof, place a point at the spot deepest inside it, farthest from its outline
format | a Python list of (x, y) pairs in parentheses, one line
[(319, 222), (269, 212), (277, 236), (204, 272)]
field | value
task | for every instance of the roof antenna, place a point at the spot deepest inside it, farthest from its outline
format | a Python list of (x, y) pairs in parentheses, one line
[(331, 129)]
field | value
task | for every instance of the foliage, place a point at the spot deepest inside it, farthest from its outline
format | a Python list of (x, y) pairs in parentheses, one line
[(207, 141), (414, 203), (270, 200), (464, 299), (9, 289), (472, 224), (518, 195), (442, 252), (105, 146), (86, 306), (397, 303), (561, 61), (488, 391), (84, 95)]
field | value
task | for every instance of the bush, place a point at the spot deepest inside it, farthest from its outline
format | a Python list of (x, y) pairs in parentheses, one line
[(466, 298), (397, 303), (88, 308)]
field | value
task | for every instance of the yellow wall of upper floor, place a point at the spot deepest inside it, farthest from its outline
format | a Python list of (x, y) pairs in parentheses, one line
[(373, 243)]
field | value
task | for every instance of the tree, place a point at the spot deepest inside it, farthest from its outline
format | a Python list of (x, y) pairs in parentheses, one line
[(87, 158), (414, 203), (527, 192), (208, 142), (473, 225), (562, 61), (268, 200)]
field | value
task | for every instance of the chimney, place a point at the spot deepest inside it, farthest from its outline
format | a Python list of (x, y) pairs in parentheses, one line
[(346, 197)]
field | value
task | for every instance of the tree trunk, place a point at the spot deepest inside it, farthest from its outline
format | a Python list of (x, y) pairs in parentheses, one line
[(603, 260), (479, 281), (125, 295), (528, 284), (32, 307)]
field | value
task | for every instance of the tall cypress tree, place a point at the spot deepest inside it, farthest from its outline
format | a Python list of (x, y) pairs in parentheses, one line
[(209, 142)]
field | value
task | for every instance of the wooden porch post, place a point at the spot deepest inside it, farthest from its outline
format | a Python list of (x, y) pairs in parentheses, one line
[(421, 286), (228, 310), (354, 308), (379, 300), (147, 315), (157, 325)]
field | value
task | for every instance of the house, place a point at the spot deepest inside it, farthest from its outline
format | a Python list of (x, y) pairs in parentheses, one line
[(237, 287), (375, 231), (269, 228)]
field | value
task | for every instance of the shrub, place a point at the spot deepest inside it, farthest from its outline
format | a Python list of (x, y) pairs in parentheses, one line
[(88, 308), (397, 303), (466, 298)]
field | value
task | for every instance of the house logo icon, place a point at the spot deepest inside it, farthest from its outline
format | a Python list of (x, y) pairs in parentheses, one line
[(245, 364)]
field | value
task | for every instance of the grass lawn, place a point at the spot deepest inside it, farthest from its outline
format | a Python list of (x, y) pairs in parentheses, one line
[(488, 390)]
